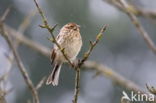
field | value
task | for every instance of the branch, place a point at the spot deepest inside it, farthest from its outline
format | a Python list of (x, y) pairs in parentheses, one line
[(25, 23), (40, 84), (136, 23), (80, 63), (2, 96), (77, 86), (31, 44), (92, 45), (115, 77), (3, 77), (3, 92), (22, 69), (135, 10), (51, 29), (5, 14)]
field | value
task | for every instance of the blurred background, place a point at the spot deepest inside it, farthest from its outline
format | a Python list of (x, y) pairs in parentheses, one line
[(122, 48)]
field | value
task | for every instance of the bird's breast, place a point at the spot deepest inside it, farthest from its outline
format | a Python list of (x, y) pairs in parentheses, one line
[(73, 47), (72, 44)]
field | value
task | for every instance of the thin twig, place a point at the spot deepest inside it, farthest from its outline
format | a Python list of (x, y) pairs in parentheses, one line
[(30, 43), (138, 26), (2, 96), (92, 45), (2, 78), (24, 25), (26, 21), (115, 77), (8, 92), (135, 10), (22, 69), (81, 62), (51, 29), (40, 84), (2, 19), (5, 14)]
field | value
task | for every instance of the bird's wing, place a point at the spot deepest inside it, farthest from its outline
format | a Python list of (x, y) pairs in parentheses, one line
[(53, 56)]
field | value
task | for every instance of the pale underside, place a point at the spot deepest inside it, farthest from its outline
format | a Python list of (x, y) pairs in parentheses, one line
[(71, 43)]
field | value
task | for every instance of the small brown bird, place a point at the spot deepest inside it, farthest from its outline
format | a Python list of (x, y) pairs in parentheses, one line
[(69, 38)]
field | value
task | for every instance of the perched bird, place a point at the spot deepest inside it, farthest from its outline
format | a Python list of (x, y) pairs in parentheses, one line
[(69, 38)]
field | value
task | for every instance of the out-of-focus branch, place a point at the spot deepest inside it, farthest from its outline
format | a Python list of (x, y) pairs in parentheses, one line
[(125, 7), (25, 23), (135, 10), (31, 44), (22, 69), (5, 15), (40, 84), (2, 96), (2, 92), (114, 76), (2, 78)]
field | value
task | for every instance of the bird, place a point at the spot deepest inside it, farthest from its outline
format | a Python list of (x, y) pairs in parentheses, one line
[(69, 38)]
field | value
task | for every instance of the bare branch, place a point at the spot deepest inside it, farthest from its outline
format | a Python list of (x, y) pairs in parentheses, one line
[(92, 45), (5, 14), (115, 77), (22, 69), (31, 44), (26, 22), (51, 29), (2, 96), (40, 84), (2, 78), (135, 10), (80, 63), (77, 86), (136, 23)]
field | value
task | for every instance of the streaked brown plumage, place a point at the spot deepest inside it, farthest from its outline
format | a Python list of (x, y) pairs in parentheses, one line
[(69, 38)]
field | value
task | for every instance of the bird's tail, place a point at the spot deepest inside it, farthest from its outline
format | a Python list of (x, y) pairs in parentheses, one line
[(54, 76)]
